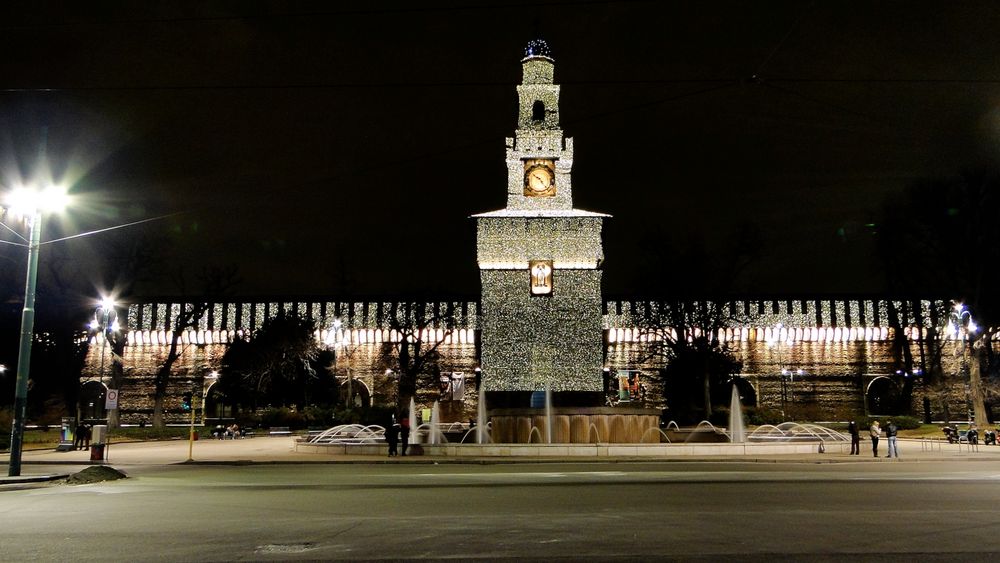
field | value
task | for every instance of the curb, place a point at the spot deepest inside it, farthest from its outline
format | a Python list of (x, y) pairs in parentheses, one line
[(32, 479)]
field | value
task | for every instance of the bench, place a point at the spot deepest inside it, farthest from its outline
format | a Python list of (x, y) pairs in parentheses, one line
[(279, 431)]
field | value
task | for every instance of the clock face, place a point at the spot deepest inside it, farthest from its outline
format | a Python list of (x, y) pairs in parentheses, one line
[(539, 178)]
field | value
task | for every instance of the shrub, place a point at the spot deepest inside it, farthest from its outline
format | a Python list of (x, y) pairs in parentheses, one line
[(758, 416), (906, 422), (6, 423), (318, 416), (282, 416)]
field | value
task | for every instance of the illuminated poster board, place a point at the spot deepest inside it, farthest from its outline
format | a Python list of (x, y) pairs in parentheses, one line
[(541, 277), (629, 385)]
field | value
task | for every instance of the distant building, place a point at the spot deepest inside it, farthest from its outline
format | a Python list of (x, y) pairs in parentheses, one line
[(542, 322)]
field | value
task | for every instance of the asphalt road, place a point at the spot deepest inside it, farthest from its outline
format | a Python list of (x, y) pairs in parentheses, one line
[(568, 511)]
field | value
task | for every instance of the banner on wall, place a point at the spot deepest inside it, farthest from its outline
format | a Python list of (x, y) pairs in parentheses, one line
[(458, 386), (629, 385)]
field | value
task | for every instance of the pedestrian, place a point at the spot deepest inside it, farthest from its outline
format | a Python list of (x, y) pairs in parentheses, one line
[(852, 428), (890, 435), (404, 432), (79, 435), (392, 436), (875, 432)]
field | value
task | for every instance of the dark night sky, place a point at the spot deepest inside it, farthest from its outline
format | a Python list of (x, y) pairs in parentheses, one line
[(325, 149)]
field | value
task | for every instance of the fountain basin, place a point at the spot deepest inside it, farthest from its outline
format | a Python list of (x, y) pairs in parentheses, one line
[(576, 425), (555, 451)]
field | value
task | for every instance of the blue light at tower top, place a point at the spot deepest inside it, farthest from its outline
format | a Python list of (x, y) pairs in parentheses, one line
[(537, 48)]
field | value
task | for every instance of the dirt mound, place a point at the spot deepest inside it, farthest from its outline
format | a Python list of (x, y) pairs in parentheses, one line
[(95, 474)]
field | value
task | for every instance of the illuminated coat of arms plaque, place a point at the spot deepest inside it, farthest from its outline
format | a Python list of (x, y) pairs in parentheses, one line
[(541, 277)]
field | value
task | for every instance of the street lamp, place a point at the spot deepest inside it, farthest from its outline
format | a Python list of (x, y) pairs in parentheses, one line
[(336, 340), (787, 376), (30, 204), (212, 378), (962, 327), (775, 340), (105, 322)]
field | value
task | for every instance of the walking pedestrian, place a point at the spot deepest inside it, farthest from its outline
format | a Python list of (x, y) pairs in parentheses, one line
[(875, 431), (79, 435), (890, 435), (852, 428), (392, 436), (404, 432)]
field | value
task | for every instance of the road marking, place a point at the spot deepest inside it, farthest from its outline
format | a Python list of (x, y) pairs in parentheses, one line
[(549, 475)]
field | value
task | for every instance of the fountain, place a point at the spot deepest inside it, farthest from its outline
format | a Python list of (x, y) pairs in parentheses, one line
[(415, 436), (737, 432), (548, 415), (482, 436), (435, 419)]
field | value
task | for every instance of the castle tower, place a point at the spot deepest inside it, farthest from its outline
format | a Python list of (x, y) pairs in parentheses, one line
[(539, 258)]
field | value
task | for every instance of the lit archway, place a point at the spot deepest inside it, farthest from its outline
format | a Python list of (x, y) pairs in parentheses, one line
[(748, 395), (92, 396), (882, 395), (361, 395)]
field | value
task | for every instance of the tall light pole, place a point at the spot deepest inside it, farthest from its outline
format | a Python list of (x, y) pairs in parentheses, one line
[(775, 340), (30, 204), (106, 324), (336, 340), (963, 328)]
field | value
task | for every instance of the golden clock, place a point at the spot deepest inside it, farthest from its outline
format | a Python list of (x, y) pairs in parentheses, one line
[(539, 178)]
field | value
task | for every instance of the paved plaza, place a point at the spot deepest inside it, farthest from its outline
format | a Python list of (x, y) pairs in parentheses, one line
[(258, 500), (281, 450)]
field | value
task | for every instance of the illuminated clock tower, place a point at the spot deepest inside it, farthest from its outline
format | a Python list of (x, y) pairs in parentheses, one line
[(539, 258)]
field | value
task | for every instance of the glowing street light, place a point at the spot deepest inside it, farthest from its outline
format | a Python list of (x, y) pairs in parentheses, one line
[(106, 322), (30, 204), (962, 327)]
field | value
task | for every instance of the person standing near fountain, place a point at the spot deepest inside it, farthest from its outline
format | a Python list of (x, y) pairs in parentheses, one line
[(890, 435), (875, 432), (404, 432), (855, 433), (392, 436)]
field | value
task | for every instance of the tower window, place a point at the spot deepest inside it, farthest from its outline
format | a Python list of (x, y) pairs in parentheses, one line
[(538, 111)]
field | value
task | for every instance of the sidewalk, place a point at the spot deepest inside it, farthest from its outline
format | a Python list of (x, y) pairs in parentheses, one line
[(265, 450)]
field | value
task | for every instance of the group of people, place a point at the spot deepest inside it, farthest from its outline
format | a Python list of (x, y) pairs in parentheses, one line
[(396, 431), (81, 438), (875, 432), (232, 431)]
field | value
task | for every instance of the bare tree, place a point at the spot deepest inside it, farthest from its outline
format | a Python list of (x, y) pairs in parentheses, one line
[(683, 330), (214, 283), (942, 237), (685, 337), (420, 329)]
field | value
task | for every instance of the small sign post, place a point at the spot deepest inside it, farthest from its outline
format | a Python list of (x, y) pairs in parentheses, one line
[(111, 399)]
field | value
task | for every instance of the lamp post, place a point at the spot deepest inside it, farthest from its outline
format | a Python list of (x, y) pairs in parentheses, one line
[(963, 328), (336, 342), (105, 323), (788, 376), (212, 378), (31, 204), (775, 340)]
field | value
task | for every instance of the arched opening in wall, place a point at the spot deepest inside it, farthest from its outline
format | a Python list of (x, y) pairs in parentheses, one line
[(92, 395), (538, 111), (748, 395), (882, 396), (360, 394), (216, 410)]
